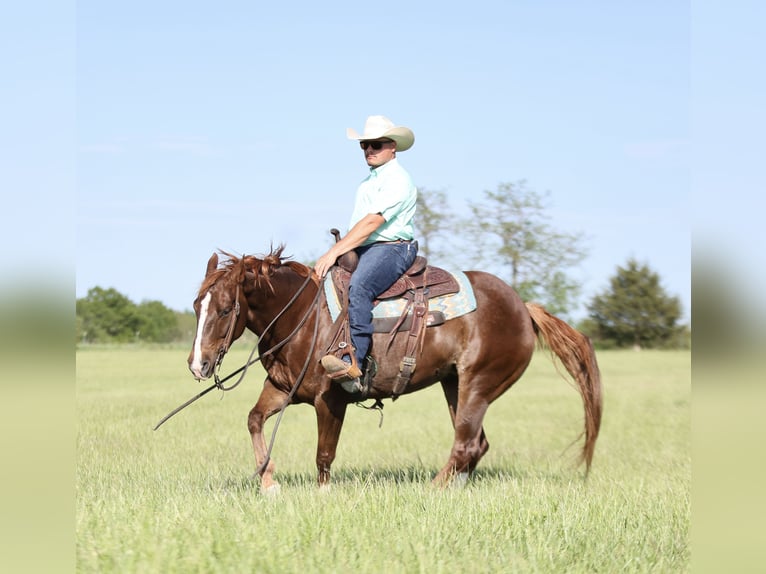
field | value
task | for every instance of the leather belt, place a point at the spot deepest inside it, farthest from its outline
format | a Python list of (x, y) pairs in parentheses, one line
[(394, 241)]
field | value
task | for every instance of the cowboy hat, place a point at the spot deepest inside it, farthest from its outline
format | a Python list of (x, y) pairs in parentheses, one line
[(377, 127)]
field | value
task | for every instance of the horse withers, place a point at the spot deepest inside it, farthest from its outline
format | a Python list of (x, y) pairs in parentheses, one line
[(475, 357)]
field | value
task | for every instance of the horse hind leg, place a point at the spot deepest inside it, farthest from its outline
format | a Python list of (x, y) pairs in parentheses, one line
[(469, 446), (450, 388), (464, 457)]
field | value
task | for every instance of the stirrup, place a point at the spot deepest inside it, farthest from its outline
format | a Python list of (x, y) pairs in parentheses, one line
[(352, 386)]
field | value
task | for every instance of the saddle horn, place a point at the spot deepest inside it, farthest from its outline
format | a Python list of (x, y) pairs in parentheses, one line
[(349, 260)]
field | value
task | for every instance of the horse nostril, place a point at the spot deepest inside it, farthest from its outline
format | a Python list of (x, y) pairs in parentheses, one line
[(202, 370)]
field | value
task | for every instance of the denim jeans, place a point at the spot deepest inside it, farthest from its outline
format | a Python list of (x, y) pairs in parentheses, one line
[(380, 265)]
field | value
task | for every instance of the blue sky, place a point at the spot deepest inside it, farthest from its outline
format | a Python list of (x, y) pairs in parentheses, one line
[(201, 126)]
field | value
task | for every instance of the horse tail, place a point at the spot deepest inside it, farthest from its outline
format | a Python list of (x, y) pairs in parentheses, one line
[(575, 351)]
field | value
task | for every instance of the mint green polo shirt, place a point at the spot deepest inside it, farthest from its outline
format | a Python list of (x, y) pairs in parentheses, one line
[(388, 190)]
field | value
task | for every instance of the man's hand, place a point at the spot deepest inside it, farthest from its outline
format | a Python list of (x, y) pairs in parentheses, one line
[(324, 263)]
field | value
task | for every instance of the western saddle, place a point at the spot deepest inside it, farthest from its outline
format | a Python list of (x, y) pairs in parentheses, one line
[(419, 283)]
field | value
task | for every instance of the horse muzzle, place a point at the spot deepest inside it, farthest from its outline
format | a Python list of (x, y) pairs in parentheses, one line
[(201, 370), (201, 365)]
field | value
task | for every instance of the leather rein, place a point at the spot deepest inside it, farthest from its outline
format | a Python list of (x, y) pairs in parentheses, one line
[(219, 383)]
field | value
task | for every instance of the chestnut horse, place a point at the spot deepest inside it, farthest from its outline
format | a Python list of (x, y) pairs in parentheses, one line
[(475, 357)]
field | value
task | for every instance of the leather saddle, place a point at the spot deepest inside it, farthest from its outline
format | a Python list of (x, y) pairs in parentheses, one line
[(419, 280), (418, 284)]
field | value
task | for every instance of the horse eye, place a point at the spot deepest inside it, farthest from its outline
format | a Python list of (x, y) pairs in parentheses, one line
[(224, 312)]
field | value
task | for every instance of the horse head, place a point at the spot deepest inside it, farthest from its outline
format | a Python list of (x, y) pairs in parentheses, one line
[(221, 309)]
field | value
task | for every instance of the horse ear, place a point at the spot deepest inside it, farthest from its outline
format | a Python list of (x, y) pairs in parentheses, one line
[(212, 264)]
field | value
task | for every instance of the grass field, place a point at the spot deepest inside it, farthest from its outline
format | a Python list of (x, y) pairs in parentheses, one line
[(181, 499)]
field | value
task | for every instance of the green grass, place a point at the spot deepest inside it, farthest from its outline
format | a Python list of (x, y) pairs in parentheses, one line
[(181, 499)]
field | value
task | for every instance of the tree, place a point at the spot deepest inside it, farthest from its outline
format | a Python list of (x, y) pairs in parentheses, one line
[(107, 315), (158, 324), (433, 220), (635, 311), (511, 227)]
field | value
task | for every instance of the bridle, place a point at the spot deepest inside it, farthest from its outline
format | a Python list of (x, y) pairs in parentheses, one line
[(242, 371), (224, 348)]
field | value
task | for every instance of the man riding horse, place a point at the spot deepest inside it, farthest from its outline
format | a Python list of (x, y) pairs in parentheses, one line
[(475, 356), (381, 235)]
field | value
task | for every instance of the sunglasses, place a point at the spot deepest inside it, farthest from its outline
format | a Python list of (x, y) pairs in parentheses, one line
[(378, 145)]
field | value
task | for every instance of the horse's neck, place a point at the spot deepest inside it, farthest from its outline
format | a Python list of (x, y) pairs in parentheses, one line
[(279, 309)]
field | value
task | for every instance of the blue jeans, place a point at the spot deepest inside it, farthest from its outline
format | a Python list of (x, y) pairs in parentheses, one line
[(380, 265)]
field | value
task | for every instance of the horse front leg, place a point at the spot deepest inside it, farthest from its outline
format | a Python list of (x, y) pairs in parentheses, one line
[(330, 414), (269, 402)]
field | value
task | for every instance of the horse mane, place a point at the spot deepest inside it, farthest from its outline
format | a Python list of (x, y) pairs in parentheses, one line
[(263, 267)]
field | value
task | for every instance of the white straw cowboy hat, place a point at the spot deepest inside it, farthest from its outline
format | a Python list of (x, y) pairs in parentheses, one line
[(377, 127)]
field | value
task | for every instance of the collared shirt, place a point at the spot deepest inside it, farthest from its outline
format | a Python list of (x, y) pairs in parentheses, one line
[(388, 190)]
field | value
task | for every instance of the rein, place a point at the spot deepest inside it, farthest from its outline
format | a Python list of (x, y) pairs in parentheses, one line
[(219, 383), (298, 381)]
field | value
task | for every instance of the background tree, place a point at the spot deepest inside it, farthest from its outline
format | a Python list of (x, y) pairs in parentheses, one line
[(107, 315), (511, 229), (157, 323), (635, 311), (433, 222)]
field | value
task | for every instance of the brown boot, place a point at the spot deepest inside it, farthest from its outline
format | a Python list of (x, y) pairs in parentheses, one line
[(338, 370)]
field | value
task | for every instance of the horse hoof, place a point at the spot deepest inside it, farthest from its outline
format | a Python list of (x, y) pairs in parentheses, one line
[(459, 480), (272, 490)]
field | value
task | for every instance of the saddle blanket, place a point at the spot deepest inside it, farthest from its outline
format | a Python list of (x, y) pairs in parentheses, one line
[(452, 305)]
